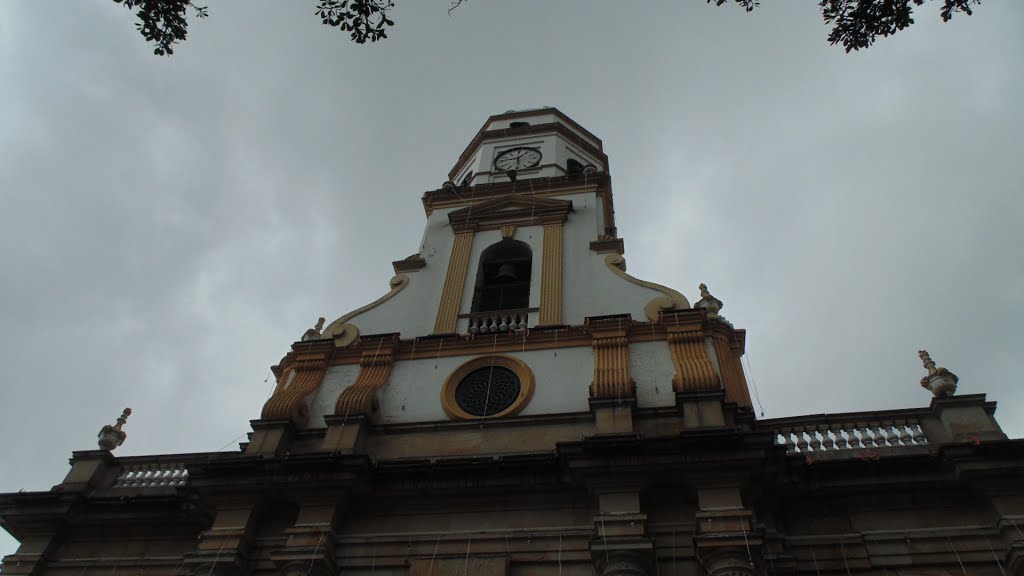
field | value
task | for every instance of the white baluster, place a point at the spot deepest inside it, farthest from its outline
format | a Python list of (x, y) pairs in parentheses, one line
[(918, 434), (891, 438), (790, 445), (815, 441), (852, 438), (801, 440), (867, 436), (841, 442), (827, 443)]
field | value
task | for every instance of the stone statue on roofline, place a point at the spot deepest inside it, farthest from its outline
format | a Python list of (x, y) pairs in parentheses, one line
[(713, 306), (314, 332)]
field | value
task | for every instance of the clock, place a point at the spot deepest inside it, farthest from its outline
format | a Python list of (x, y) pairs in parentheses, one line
[(517, 159)]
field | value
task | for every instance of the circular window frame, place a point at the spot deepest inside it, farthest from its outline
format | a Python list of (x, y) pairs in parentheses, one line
[(522, 371)]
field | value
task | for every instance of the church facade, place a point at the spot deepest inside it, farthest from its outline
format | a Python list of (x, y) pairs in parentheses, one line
[(518, 403)]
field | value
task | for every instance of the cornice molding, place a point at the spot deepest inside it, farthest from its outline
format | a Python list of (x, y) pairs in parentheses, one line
[(599, 183), (409, 264), (607, 244), (518, 210)]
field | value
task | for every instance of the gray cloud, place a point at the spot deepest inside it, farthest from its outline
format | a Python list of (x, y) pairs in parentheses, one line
[(172, 225)]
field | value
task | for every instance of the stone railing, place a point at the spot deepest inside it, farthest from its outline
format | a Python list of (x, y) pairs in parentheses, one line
[(152, 475), (498, 321), (838, 432)]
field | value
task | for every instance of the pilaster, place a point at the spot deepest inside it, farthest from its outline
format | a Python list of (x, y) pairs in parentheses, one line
[(612, 392), (621, 546), (223, 549), (269, 437), (725, 542), (455, 280), (309, 549), (551, 276)]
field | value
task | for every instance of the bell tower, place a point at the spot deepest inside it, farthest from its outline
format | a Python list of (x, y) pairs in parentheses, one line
[(518, 304)]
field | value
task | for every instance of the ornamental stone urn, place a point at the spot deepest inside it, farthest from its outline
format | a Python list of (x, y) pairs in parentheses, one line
[(940, 381), (111, 437)]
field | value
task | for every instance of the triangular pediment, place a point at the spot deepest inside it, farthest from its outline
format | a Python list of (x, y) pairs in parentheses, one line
[(519, 210)]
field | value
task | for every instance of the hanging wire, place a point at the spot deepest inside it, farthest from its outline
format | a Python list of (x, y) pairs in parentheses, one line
[(604, 535), (469, 543), (750, 558), (959, 561), (845, 561), (272, 386), (490, 375), (215, 558), (753, 382), (996, 558), (1017, 527), (430, 570), (815, 560), (230, 442), (559, 555), (316, 549)]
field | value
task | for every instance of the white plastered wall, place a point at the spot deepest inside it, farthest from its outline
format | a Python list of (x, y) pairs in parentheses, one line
[(563, 376), (321, 403), (650, 364)]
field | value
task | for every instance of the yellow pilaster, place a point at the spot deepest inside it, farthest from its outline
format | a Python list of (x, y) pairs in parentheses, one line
[(451, 295), (551, 276)]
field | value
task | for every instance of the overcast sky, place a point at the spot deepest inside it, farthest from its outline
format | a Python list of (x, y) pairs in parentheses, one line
[(172, 225)]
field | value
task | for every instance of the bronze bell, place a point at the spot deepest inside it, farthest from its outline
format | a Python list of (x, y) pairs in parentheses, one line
[(507, 272)]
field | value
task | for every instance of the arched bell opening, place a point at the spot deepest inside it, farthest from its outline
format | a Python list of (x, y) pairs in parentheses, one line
[(503, 277)]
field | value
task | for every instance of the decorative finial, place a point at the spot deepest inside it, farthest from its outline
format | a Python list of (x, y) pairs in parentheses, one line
[(111, 437), (314, 332), (940, 381), (709, 303)]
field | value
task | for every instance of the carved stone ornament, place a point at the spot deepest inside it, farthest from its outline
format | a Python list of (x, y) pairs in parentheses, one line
[(708, 302), (671, 300), (940, 381), (111, 437), (314, 332)]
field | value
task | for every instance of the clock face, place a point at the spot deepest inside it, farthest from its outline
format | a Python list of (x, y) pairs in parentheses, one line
[(517, 159)]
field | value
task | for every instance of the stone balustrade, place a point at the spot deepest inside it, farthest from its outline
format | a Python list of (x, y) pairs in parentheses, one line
[(830, 433), (498, 321), (152, 475)]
